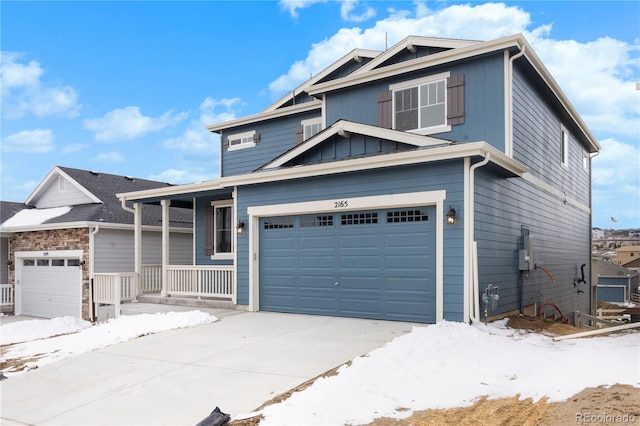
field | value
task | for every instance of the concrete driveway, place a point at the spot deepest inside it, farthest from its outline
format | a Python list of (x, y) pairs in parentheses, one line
[(178, 377)]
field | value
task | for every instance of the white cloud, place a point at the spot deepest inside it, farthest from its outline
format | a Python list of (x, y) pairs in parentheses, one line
[(36, 141), (109, 157), (347, 8), (196, 137), (75, 147), (128, 123), (23, 91), (180, 176), (292, 6)]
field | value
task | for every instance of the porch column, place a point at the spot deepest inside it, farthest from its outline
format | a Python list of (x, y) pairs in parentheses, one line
[(137, 250), (165, 246)]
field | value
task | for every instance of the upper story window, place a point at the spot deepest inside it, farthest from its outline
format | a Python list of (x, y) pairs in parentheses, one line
[(308, 128), (241, 140), (564, 147), (425, 106), (218, 229)]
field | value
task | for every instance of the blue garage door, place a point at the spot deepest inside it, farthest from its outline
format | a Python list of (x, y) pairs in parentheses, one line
[(369, 264)]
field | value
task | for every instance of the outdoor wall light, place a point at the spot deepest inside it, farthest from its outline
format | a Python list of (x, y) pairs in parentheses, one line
[(240, 228), (451, 216)]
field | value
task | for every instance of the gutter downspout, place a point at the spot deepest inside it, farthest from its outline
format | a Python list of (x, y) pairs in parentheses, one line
[(472, 252), (509, 103), (92, 245)]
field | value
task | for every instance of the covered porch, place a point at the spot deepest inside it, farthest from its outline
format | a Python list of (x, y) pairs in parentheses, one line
[(207, 282)]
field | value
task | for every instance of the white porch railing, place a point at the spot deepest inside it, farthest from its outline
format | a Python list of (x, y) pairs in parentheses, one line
[(198, 280), (6, 295), (114, 288), (151, 279)]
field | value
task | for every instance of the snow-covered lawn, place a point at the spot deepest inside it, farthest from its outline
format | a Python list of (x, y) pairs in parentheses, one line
[(58, 338), (451, 365)]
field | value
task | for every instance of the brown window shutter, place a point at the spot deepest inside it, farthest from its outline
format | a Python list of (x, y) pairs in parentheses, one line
[(385, 110), (208, 231), (225, 142), (299, 134), (256, 137), (455, 100)]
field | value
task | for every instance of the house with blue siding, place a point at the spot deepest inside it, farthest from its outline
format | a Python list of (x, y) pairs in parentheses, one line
[(440, 179)]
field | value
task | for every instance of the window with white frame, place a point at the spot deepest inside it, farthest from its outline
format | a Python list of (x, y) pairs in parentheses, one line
[(242, 140), (218, 229), (311, 127), (420, 104), (564, 147)]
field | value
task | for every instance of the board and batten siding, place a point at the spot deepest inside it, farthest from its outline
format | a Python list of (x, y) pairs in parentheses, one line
[(446, 176), (560, 237), (537, 133), (483, 94), (276, 137), (114, 250)]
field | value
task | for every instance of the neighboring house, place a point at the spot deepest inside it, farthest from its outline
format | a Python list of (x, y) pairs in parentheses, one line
[(402, 185), (71, 227), (626, 254), (616, 283)]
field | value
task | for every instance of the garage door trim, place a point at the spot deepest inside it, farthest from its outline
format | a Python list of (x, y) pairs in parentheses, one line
[(20, 255), (409, 199)]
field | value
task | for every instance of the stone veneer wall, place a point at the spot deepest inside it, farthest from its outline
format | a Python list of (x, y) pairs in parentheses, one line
[(51, 240)]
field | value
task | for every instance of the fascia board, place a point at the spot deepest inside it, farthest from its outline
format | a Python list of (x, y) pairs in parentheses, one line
[(416, 41), (476, 49), (351, 127), (388, 160), (170, 191), (546, 76), (266, 115), (76, 225), (355, 53), (56, 171)]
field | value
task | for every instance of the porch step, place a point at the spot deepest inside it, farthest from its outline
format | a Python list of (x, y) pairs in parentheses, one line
[(187, 301)]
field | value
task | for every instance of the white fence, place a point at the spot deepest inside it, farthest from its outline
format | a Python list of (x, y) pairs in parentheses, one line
[(114, 288), (6, 295), (208, 281)]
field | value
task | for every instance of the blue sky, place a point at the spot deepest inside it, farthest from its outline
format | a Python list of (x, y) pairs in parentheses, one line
[(127, 87)]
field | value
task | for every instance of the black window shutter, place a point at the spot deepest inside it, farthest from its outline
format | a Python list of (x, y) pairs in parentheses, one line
[(256, 137), (225, 142), (455, 100), (299, 134), (385, 110), (208, 231)]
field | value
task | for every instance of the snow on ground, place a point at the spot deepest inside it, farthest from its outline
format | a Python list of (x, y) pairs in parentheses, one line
[(451, 365), (84, 337)]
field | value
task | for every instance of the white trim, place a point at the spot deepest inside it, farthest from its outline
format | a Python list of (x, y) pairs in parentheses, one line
[(508, 102), (240, 137), (528, 177), (564, 147), (224, 203), (466, 258), (56, 171), (425, 198), (75, 225), (234, 223), (268, 115), (419, 81)]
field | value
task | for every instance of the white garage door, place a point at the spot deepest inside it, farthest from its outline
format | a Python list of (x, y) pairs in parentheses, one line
[(51, 287)]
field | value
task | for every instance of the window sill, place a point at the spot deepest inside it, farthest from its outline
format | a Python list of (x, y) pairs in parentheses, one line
[(241, 146), (223, 256)]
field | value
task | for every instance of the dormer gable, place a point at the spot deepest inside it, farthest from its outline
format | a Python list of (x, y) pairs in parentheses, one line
[(346, 65), (347, 139), (58, 189), (413, 47)]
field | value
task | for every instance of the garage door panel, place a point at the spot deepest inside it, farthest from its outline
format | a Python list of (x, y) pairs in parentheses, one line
[(50, 290), (382, 260)]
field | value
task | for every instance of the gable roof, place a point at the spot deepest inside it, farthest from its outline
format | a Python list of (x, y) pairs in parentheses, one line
[(611, 270), (100, 204), (345, 128), (356, 55)]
